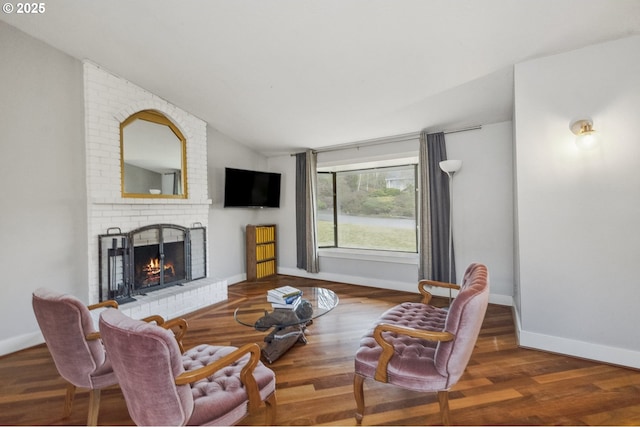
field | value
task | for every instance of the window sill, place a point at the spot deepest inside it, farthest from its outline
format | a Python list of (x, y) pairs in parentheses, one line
[(370, 255)]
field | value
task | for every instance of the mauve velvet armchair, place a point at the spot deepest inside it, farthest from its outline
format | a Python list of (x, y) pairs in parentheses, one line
[(207, 385), (75, 345), (421, 347)]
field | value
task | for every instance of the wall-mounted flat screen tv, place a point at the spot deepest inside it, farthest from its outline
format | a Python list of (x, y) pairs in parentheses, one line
[(251, 189)]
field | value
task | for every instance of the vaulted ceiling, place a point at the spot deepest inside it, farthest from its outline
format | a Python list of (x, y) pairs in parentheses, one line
[(280, 75)]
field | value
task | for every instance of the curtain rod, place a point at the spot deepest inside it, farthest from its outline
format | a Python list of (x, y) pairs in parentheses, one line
[(462, 129), (387, 139)]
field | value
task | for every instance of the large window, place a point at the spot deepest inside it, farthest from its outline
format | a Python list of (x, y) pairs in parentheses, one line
[(368, 209)]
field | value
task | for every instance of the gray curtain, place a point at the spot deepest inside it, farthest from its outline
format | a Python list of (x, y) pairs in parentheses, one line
[(434, 211), (306, 228)]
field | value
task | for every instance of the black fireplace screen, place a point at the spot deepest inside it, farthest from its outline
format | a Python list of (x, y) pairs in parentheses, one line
[(149, 258)]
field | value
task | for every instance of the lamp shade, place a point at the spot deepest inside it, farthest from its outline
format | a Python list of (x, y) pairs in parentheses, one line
[(588, 140), (451, 166)]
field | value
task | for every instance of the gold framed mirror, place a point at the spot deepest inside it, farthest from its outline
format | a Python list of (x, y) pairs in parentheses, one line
[(152, 157)]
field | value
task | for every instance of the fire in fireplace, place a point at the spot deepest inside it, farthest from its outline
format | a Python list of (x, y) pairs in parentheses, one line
[(152, 268), (156, 264), (150, 272), (149, 258)]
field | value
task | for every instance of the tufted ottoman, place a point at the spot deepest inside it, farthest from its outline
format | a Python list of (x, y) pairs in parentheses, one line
[(413, 355)]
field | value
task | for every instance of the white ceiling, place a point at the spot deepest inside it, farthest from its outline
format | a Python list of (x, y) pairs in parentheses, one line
[(281, 75)]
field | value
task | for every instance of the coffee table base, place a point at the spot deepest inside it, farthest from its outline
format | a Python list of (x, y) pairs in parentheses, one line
[(282, 339), (287, 325)]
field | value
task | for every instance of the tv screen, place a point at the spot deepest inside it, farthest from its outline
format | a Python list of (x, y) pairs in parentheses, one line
[(251, 189)]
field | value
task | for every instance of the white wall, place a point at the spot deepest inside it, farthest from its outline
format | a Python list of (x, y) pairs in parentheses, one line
[(43, 216), (483, 215), (227, 225), (483, 203), (578, 212)]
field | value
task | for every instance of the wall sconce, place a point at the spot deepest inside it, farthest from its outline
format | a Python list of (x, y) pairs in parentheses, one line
[(587, 138)]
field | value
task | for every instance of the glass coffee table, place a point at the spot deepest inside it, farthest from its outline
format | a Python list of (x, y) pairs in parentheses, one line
[(288, 325)]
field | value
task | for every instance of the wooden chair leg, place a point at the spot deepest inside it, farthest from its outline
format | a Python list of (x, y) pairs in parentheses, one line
[(271, 410), (94, 407), (68, 400), (443, 400), (358, 392)]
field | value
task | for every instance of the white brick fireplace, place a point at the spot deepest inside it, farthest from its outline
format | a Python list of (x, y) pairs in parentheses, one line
[(109, 100)]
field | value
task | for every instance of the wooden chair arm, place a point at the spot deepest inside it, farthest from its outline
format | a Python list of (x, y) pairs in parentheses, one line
[(92, 336), (426, 295), (179, 329), (104, 304), (387, 348), (108, 303), (96, 335), (246, 375), (154, 318)]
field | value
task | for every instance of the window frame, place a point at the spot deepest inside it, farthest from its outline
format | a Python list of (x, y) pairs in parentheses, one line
[(336, 224)]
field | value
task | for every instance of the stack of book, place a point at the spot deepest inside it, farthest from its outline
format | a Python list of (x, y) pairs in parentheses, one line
[(286, 297)]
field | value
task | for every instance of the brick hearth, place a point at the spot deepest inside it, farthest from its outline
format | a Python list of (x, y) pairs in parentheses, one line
[(174, 301)]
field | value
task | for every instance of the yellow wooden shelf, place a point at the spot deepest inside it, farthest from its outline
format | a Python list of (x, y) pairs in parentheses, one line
[(261, 251)]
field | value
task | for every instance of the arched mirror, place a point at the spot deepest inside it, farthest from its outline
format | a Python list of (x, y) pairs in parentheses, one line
[(153, 157)]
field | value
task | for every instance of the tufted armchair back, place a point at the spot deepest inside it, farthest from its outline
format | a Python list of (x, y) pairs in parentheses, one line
[(463, 321), (471, 275), (65, 323), (75, 346), (151, 359)]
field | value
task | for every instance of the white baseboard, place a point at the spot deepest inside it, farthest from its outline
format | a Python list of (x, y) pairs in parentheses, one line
[(236, 279), (384, 284), (351, 280), (575, 348), (13, 344)]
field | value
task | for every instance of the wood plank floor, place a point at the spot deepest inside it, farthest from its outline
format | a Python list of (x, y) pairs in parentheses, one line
[(503, 385)]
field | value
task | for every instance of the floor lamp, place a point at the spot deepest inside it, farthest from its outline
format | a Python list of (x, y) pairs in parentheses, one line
[(450, 167)]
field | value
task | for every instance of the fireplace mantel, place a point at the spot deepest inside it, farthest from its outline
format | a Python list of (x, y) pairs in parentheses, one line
[(130, 201)]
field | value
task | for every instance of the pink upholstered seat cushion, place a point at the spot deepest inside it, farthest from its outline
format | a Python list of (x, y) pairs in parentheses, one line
[(222, 395), (414, 358)]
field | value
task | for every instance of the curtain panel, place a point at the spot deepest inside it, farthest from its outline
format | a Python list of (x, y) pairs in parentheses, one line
[(306, 227), (434, 211)]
